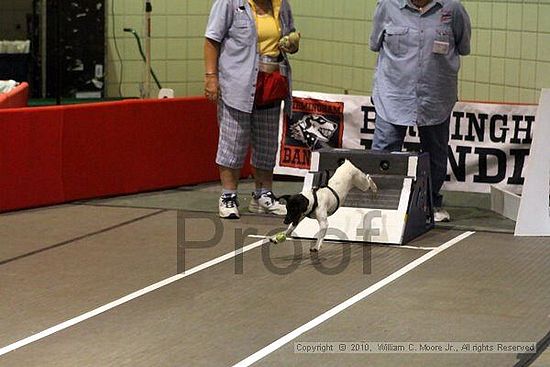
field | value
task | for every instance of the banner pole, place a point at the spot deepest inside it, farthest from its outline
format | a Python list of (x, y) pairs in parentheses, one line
[(148, 11)]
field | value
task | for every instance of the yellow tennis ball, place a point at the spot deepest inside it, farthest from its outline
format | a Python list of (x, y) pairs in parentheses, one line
[(289, 41), (284, 42), (280, 237), (294, 37)]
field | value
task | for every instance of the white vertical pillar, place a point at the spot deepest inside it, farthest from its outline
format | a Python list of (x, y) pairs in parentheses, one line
[(534, 209)]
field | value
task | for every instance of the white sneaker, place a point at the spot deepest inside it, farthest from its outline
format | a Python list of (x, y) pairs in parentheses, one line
[(441, 215), (266, 204), (228, 207)]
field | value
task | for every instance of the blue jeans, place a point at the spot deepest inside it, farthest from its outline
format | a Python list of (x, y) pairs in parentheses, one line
[(433, 140)]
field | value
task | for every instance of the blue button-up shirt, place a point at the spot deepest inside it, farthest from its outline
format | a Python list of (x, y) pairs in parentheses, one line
[(415, 81), (232, 24)]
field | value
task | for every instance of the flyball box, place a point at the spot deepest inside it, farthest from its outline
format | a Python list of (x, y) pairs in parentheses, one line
[(400, 211)]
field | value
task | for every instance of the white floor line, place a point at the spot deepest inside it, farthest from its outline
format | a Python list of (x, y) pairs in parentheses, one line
[(64, 325), (328, 242), (406, 247), (344, 305)]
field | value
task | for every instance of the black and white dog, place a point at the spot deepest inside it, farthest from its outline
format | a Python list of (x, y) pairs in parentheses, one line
[(321, 203)]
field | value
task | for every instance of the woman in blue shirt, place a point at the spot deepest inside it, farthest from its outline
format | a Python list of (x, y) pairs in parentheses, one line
[(242, 41), (419, 44)]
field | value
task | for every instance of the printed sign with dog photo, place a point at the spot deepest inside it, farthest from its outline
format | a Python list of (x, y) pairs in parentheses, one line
[(315, 124), (489, 143)]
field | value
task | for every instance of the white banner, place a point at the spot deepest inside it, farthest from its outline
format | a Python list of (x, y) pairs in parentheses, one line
[(489, 143)]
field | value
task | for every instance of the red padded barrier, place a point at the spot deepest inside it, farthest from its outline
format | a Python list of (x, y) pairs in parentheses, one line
[(30, 158), (56, 154), (133, 146), (18, 97)]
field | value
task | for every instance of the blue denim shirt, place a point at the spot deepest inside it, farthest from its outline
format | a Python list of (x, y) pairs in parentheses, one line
[(232, 24), (415, 81)]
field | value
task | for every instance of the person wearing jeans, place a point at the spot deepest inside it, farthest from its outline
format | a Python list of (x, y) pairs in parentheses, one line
[(419, 44)]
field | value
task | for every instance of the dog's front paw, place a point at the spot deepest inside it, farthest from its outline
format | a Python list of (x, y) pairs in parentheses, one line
[(315, 248)]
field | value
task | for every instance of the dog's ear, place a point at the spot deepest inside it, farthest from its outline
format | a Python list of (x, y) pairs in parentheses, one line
[(283, 199), (296, 208), (303, 203)]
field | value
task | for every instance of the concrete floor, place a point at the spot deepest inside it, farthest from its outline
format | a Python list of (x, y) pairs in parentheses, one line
[(59, 263)]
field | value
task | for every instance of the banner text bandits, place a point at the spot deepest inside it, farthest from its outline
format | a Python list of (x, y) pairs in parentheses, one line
[(489, 143), (476, 127)]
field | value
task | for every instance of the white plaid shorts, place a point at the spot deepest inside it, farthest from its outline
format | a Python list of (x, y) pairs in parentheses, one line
[(239, 129)]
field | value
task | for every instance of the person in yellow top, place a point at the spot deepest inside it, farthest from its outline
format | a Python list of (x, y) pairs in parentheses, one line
[(269, 30), (245, 54)]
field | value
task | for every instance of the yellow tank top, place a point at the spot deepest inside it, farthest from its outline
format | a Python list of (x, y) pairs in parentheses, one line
[(269, 32), (268, 35)]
